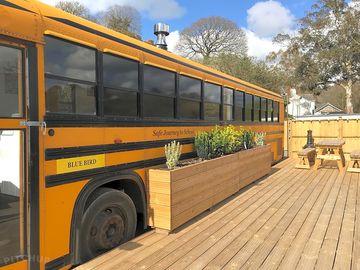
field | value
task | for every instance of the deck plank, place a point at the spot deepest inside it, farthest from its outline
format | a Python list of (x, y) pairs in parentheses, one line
[(291, 219), (300, 222), (303, 194)]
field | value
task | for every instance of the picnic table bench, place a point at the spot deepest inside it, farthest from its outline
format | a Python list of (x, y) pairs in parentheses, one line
[(354, 165), (330, 150), (306, 158)]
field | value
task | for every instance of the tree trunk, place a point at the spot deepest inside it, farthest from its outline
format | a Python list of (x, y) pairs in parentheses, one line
[(348, 94)]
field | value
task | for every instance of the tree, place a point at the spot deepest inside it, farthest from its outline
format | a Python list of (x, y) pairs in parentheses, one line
[(250, 70), (124, 19), (326, 51), (75, 8), (212, 36)]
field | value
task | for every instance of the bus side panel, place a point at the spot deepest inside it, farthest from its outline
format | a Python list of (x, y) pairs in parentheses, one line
[(59, 205)]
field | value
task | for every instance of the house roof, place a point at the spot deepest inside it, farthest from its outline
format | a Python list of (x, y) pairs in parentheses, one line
[(322, 106)]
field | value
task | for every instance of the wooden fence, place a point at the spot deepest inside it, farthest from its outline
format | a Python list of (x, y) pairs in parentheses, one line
[(346, 127)]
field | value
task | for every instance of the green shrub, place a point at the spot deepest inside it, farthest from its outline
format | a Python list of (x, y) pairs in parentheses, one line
[(260, 138), (248, 139), (218, 142), (172, 153), (202, 145)]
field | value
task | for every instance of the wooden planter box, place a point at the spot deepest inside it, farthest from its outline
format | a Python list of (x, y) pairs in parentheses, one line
[(178, 195)]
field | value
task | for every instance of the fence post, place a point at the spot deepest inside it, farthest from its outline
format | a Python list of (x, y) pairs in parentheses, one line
[(341, 128)]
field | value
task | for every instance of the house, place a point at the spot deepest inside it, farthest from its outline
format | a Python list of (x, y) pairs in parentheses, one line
[(300, 105), (327, 108)]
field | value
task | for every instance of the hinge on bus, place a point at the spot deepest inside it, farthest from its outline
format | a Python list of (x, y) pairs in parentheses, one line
[(42, 125)]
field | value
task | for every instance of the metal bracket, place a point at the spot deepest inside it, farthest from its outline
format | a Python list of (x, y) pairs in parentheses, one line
[(42, 125)]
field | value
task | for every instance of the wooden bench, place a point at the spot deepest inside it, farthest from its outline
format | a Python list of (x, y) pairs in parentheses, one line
[(354, 164), (306, 158)]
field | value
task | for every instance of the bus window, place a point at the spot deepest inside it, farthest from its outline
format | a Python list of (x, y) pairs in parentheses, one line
[(276, 112), (212, 98), (11, 195), (11, 82), (269, 110), (190, 97), (121, 83), (239, 106), (248, 107), (263, 110), (256, 109), (70, 78), (159, 92), (228, 104)]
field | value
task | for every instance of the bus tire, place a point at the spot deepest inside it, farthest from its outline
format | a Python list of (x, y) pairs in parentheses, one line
[(109, 220)]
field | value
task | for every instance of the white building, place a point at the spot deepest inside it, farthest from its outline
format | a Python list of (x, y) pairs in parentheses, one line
[(300, 105)]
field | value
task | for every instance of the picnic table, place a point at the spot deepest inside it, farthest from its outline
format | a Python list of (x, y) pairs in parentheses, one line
[(330, 150)]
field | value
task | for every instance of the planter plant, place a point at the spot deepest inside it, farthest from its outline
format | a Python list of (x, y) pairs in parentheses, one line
[(228, 160)]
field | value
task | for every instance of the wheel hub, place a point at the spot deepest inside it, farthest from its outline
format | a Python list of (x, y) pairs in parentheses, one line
[(108, 230)]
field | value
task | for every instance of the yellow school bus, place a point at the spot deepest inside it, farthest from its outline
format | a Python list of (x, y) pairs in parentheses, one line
[(84, 111)]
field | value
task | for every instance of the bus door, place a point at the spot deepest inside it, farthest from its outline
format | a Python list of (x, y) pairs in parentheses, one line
[(13, 152)]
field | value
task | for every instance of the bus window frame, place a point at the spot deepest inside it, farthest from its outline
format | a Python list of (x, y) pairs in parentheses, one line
[(179, 98), (228, 104), (22, 48), (220, 103), (102, 86), (95, 84), (144, 92)]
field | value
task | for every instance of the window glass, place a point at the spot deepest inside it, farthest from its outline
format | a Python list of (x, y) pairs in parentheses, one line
[(228, 113), (158, 106), (228, 96), (212, 111), (239, 99), (269, 110), (159, 81), (248, 108), (189, 109), (120, 103), (120, 72), (12, 220), (263, 109), (248, 115), (189, 87), (69, 60), (11, 80), (239, 113), (70, 98), (212, 92), (276, 112), (248, 101), (256, 108)]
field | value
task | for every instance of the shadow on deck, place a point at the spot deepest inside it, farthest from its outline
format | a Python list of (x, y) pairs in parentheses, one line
[(291, 219)]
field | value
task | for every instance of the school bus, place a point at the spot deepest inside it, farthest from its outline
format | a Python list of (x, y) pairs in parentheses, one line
[(84, 111)]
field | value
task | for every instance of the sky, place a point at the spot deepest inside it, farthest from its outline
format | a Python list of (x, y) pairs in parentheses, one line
[(261, 20)]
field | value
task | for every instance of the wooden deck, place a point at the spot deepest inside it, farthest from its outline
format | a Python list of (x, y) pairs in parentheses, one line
[(292, 219)]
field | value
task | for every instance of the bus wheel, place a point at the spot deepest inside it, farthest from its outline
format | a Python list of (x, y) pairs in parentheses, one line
[(109, 221)]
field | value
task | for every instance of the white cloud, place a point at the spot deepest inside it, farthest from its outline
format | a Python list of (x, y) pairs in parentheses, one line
[(172, 39), (260, 47), (269, 18), (155, 9)]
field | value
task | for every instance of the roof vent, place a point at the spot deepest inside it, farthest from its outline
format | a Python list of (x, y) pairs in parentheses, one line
[(161, 30)]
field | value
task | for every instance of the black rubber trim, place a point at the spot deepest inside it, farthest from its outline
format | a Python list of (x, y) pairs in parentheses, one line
[(61, 179), (124, 42), (58, 120), (8, 4), (59, 153), (33, 174), (58, 263)]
